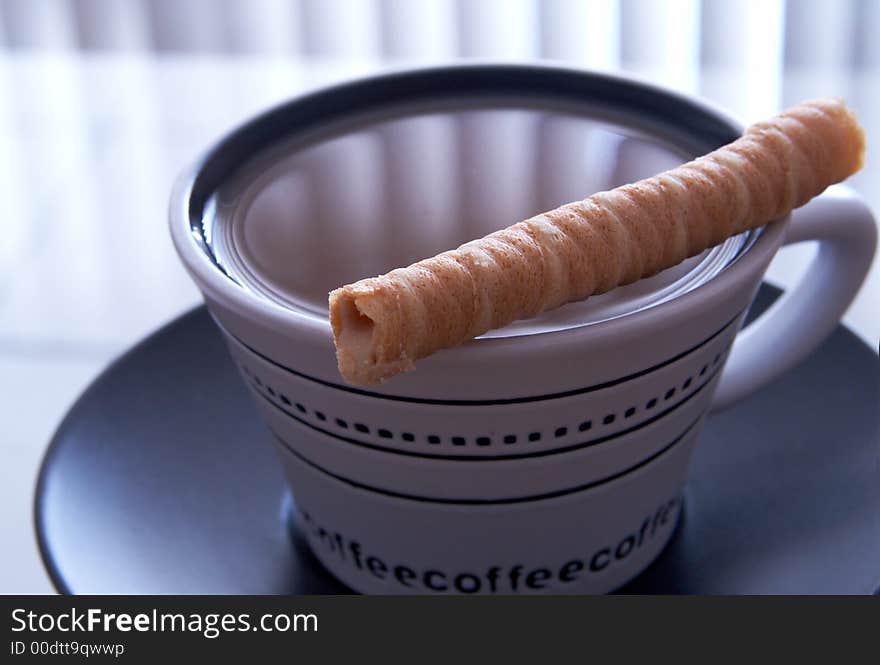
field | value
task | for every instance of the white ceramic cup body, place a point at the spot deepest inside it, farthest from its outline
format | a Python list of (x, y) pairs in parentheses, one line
[(563, 453), (583, 541)]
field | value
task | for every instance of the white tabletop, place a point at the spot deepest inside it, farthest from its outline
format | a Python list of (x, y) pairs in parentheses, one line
[(89, 147)]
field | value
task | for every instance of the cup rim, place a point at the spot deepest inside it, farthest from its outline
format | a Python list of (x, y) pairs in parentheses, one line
[(682, 114)]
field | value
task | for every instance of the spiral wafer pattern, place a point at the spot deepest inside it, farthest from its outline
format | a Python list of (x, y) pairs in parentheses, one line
[(382, 325)]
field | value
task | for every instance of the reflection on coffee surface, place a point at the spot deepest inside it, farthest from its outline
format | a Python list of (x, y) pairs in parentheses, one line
[(298, 222)]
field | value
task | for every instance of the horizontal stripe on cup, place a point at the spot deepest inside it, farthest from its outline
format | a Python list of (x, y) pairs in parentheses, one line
[(489, 502), (484, 458), (483, 402)]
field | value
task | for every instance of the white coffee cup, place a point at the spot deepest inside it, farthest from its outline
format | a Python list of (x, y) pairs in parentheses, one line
[(527, 461)]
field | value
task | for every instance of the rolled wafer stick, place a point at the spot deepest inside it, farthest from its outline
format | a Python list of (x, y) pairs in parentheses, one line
[(382, 325)]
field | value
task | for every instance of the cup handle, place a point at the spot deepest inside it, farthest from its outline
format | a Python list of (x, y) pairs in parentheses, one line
[(804, 316)]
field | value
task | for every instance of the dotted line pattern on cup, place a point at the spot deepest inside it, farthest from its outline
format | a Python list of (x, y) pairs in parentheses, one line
[(343, 425)]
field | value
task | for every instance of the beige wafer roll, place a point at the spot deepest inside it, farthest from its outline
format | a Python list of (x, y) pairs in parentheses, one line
[(382, 325)]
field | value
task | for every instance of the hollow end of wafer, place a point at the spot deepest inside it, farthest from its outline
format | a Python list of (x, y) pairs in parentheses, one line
[(353, 334), (361, 352)]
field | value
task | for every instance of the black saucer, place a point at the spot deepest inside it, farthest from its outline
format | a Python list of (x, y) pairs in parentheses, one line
[(162, 479)]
